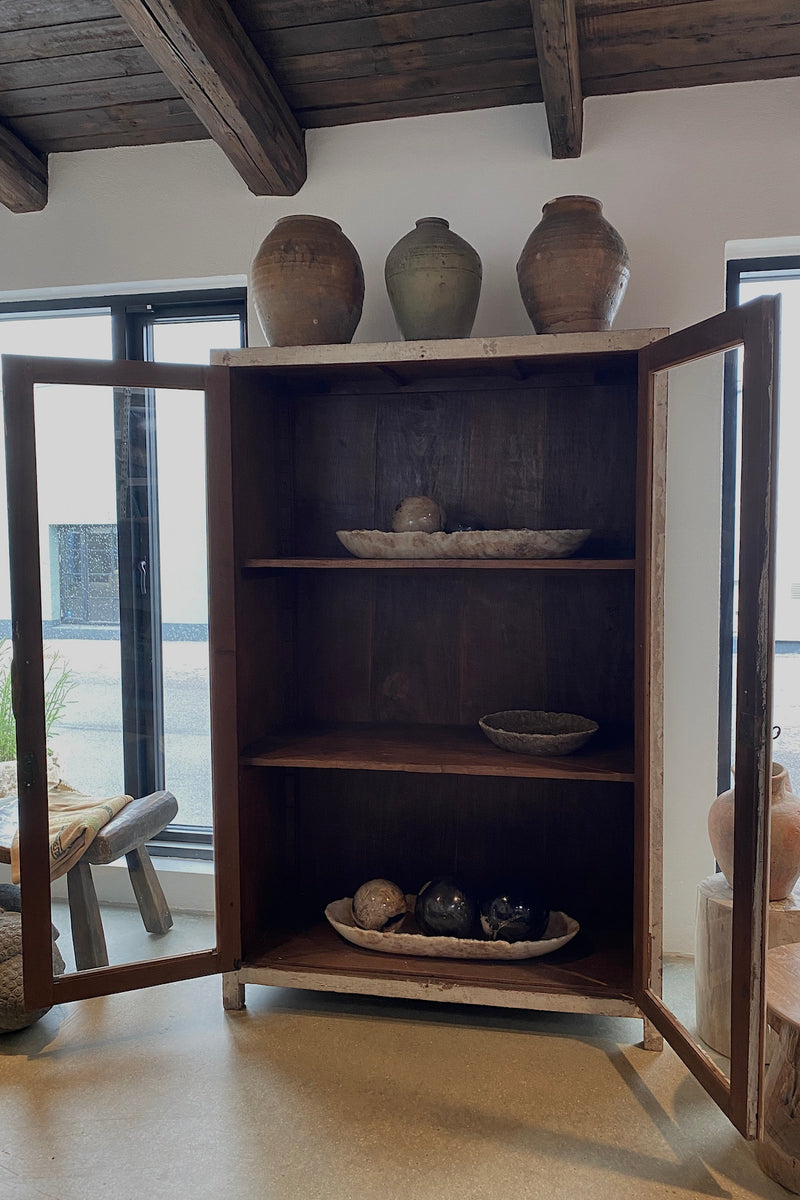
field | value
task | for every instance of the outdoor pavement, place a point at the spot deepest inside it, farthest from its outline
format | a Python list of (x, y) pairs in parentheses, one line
[(88, 737)]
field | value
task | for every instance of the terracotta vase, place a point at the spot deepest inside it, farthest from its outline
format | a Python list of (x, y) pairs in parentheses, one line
[(307, 283), (784, 823), (573, 269), (433, 278)]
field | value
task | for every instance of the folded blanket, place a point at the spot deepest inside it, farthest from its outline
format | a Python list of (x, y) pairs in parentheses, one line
[(75, 821)]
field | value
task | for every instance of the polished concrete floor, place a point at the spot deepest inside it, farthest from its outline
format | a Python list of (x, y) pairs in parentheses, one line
[(303, 1096)]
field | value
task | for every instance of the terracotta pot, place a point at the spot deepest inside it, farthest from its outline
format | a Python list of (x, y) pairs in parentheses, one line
[(573, 269), (784, 823), (433, 278), (307, 283)]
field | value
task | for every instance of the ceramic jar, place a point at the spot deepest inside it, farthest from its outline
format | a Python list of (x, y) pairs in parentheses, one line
[(433, 278), (307, 283), (784, 824), (573, 269)]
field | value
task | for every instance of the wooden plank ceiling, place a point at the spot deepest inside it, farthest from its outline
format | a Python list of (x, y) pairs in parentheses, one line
[(254, 74)]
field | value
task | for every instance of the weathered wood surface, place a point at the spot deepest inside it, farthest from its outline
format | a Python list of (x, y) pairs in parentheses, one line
[(88, 938), (556, 32), (778, 1149), (455, 350), (309, 65), (233, 998), (147, 889), (137, 823), (433, 750), (23, 175), (204, 51), (713, 949)]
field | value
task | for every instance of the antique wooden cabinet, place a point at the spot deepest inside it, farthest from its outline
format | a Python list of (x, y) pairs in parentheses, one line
[(346, 692)]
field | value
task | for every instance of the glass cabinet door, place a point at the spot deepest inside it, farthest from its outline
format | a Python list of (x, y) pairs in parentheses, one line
[(710, 1006), (111, 591)]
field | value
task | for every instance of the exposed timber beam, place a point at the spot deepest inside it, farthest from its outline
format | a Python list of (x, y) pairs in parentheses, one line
[(203, 50), (23, 175), (556, 33)]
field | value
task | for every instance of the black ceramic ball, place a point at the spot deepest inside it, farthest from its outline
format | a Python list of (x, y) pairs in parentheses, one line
[(444, 909), (512, 915)]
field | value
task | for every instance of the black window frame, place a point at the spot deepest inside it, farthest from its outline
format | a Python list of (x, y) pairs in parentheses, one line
[(133, 316)]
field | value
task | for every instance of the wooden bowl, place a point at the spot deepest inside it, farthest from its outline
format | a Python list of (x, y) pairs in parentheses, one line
[(531, 731)]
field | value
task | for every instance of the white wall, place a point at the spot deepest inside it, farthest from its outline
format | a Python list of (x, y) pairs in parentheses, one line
[(680, 174)]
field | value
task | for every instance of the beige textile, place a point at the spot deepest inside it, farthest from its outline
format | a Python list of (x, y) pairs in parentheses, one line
[(75, 821)]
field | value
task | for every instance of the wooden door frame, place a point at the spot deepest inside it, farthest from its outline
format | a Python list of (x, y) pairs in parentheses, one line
[(754, 326), (41, 988)]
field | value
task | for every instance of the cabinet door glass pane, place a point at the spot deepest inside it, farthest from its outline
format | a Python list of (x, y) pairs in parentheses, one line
[(181, 487), (94, 499), (714, 935), (697, 901)]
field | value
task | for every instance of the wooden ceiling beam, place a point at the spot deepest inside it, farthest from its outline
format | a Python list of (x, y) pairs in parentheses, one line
[(556, 33), (23, 175), (201, 47)]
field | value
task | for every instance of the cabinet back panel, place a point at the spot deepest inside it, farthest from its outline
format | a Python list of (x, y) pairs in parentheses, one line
[(538, 458), (573, 842), (447, 647)]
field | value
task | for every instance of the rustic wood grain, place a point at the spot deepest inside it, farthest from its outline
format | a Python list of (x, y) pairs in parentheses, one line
[(437, 750), (124, 125), (79, 39), (556, 33), (206, 54), (41, 73), (96, 93), (23, 175), (88, 938), (395, 58), (306, 28), (437, 564)]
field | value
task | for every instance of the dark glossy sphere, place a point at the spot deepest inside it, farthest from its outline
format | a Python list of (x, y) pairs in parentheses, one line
[(510, 915), (444, 909)]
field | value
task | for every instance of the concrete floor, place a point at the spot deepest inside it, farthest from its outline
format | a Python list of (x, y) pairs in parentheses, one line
[(303, 1096)]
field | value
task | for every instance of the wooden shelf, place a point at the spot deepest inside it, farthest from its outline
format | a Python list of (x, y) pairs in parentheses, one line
[(591, 974), (434, 749), (441, 564)]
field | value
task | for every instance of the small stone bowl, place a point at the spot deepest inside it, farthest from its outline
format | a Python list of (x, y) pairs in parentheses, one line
[(529, 731)]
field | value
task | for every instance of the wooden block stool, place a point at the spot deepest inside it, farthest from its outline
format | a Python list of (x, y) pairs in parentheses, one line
[(125, 834), (712, 961), (778, 1152)]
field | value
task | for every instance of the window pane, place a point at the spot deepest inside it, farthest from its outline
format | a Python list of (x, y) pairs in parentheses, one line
[(93, 655)]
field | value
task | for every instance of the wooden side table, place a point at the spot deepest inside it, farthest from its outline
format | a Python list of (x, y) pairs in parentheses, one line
[(712, 963), (125, 834), (778, 1151)]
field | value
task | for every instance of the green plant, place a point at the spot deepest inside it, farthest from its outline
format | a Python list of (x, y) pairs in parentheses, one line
[(58, 683)]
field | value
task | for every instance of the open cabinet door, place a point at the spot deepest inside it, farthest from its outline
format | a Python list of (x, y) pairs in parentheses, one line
[(115, 508), (735, 1087)]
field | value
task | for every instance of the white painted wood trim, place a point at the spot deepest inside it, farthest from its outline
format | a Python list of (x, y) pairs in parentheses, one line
[(447, 350), (422, 989)]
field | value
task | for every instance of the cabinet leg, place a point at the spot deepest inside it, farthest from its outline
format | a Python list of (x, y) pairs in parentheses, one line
[(652, 1039), (232, 992)]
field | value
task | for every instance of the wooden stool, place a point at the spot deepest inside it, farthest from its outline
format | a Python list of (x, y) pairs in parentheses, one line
[(127, 833), (712, 961), (778, 1152)]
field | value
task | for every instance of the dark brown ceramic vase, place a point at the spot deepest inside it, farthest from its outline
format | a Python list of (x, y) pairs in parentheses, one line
[(307, 283), (573, 269), (433, 278)]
